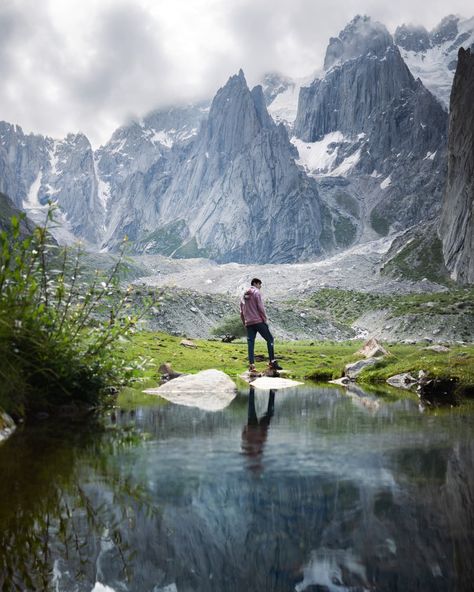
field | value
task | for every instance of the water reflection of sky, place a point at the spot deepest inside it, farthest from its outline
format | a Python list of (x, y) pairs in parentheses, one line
[(305, 489)]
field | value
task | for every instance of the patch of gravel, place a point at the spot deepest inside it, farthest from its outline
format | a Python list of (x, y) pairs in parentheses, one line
[(357, 268)]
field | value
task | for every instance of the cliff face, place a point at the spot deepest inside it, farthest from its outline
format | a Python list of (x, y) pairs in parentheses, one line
[(457, 218)]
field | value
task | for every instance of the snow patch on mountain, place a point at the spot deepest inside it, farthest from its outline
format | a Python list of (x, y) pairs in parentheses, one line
[(318, 158), (346, 165), (162, 137), (54, 159), (281, 95), (32, 200), (285, 106)]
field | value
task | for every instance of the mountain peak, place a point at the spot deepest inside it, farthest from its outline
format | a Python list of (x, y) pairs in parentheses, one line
[(446, 30), (412, 38), (360, 37), (236, 116)]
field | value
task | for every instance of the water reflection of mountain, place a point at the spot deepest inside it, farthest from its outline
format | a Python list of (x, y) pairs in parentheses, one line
[(345, 500)]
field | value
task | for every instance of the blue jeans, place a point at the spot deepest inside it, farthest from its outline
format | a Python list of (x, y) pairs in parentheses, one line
[(264, 331)]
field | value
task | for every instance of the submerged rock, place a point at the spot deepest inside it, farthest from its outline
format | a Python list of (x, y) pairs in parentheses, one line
[(210, 390)]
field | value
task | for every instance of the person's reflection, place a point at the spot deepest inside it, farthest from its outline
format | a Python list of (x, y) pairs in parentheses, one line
[(254, 434)]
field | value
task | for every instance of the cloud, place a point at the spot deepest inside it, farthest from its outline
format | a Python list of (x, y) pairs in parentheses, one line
[(69, 65)]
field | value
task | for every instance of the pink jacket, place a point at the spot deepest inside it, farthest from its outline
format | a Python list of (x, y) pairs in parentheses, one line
[(252, 310)]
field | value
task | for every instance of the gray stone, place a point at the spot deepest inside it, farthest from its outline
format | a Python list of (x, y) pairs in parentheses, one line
[(404, 380), (353, 370), (438, 348), (372, 349), (210, 390), (188, 343)]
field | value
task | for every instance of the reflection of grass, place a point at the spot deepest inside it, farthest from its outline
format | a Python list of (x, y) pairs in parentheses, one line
[(129, 398), (54, 513), (318, 360)]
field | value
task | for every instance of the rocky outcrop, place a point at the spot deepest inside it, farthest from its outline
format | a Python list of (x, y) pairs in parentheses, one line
[(457, 219)]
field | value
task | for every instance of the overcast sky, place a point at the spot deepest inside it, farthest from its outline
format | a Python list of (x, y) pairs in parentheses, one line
[(90, 65)]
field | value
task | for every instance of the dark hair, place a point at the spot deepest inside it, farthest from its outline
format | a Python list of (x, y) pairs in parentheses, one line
[(255, 281)]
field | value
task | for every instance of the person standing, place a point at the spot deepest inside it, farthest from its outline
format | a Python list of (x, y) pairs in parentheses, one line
[(254, 317)]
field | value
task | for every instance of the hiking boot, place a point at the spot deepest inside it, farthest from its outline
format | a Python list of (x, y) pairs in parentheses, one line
[(252, 369), (275, 365)]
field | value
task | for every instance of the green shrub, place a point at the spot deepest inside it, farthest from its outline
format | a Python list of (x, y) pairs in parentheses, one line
[(231, 325), (57, 332)]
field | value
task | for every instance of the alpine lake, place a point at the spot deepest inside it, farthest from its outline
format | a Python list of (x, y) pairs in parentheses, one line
[(313, 488)]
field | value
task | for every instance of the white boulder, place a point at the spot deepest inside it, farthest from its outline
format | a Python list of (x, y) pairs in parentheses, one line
[(210, 390)]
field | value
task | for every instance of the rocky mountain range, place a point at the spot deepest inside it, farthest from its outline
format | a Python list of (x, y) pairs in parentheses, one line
[(255, 176)]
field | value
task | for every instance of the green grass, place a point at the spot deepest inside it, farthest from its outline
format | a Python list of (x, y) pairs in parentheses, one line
[(318, 361)]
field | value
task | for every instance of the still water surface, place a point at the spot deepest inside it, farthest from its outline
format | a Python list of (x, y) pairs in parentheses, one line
[(307, 489)]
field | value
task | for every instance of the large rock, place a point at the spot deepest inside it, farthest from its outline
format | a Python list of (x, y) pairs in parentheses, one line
[(372, 349), (210, 390), (457, 219), (353, 370)]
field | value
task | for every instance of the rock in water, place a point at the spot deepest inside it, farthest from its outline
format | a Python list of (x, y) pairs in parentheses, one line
[(457, 217), (210, 390), (404, 381)]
